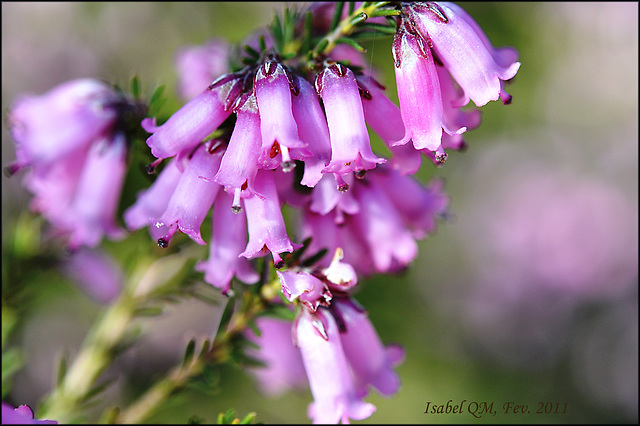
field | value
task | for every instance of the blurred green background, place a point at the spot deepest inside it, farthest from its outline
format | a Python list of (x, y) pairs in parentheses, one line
[(529, 294)]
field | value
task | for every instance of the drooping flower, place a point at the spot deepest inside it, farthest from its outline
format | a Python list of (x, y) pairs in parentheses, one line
[(267, 231), (273, 86), (192, 123), (228, 240), (239, 164), (283, 369), (350, 145), (70, 116), (193, 196), (91, 213), (330, 379), (465, 50), (419, 93), (152, 202), (312, 130), (372, 363)]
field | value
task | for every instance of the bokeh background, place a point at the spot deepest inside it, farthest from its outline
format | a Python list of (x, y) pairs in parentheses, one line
[(528, 294)]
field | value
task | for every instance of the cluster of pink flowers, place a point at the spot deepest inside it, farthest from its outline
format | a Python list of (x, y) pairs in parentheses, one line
[(278, 132), (73, 142)]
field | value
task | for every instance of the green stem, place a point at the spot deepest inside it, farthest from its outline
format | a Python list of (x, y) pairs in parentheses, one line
[(345, 28), (219, 353), (96, 354)]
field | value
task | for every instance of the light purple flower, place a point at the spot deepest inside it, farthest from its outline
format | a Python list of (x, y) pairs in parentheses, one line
[(23, 415), (267, 231), (419, 93), (330, 379), (465, 51), (54, 184), (240, 160), (96, 273), (417, 204), (312, 130), (193, 196), (301, 285), (327, 232), (392, 246), (350, 145), (228, 240), (152, 202), (325, 197), (199, 66), (192, 123), (70, 116), (91, 213), (369, 359), (283, 369), (273, 85)]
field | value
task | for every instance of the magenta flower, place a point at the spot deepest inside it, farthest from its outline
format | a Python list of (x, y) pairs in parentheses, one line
[(267, 231), (419, 206), (392, 246), (152, 202), (240, 160), (350, 145), (199, 66), (273, 85), (419, 93), (23, 415), (312, 130), (54, 184), (91, 213), (227, 242), (96, 273), (192, 198), (330, 379), (369, 359), (283, 369), (72, 115), (305, 287), (465, 50), (192, 123)]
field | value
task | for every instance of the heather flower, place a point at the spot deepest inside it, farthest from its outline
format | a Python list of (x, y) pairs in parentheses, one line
[(23, 415), (152, 202), (328, 232), (192, 123), (91, 213), (96, 273), (199, 66), (193, 196), (312, 130), (330, 378), (370, 361), (267, 231), (419, 206), (392, 246), (350, 145), (240, 160), (273, 85), (72, 115), (283, 368), (465, 51), (228, 240), (419, 93), (303, 286), (53, 185)]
